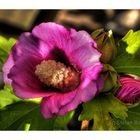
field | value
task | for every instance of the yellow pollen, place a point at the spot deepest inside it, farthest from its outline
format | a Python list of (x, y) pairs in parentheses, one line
[(57, 75)]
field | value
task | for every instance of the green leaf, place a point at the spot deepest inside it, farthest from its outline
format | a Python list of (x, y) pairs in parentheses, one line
[(27, 116), (7, 97), (133, 41), (100, 108), (5, 47), (132, 122), (127, 60)]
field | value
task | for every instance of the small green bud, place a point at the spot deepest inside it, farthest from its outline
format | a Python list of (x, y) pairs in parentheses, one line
[(105, 44), (110, 78)]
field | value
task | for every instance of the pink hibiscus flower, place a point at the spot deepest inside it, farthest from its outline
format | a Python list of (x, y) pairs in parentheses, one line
[(61, 65)]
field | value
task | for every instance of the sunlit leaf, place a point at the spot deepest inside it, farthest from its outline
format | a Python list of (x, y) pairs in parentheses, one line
[(7, 97), (5, 47), (128, 57)]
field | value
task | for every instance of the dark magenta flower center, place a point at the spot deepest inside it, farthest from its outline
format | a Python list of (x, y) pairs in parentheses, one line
[(57, 75)]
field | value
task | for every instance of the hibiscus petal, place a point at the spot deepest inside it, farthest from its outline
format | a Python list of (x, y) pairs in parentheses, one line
[(100, 83), (24, 81), (6, 69), (56, 35), (93, 71), (30, 45), (79, 47), (84, 94), (85, 56), (80, 39), (50, 106), (46, 109), (62, 103), (53, 34)]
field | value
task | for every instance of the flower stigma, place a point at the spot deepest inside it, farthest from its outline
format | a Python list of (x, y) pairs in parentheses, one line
[(57, 75)]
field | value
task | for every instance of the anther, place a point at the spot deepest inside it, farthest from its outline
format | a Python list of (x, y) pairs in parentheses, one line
[(57, 75)]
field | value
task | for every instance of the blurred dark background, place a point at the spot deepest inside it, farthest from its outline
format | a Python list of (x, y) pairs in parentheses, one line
[(14, 22)]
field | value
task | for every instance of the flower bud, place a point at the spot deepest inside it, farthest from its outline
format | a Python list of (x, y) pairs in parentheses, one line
[(109, 76), (105, 44), (129, 91)]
